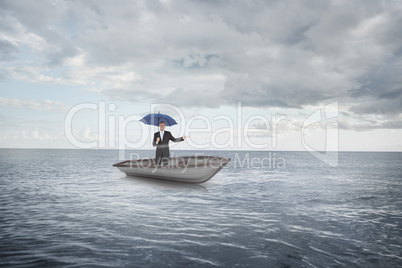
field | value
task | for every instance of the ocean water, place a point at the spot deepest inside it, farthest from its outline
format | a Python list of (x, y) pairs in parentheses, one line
[(72, 208)]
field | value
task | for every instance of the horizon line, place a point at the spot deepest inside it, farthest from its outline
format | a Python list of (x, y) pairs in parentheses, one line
[(226, 150)]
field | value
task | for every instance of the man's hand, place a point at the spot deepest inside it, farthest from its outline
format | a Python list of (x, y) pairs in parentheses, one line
[(158, 139), (185, 137)]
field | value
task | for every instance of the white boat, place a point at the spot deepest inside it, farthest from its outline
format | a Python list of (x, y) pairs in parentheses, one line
[(191, 169)]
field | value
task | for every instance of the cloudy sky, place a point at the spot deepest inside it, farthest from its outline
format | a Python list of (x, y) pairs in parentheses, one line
[(234, 74)]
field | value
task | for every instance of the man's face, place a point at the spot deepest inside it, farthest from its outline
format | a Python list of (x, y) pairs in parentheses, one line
[(162, 126)]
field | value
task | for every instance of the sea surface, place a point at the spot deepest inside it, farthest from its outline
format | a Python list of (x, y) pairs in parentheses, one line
[(72, 208)]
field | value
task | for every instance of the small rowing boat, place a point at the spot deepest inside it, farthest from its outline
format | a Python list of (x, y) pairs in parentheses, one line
[(191, 169)]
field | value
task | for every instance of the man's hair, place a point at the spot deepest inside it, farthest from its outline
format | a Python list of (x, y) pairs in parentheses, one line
[(162, 122)]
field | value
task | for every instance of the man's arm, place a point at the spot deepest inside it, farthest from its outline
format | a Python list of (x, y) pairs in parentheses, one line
[(155, 140), (174, 139)]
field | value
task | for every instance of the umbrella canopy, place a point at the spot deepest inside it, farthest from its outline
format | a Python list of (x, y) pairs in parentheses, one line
[(155, 119)]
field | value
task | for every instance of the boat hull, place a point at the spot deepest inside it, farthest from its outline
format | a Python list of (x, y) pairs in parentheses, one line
[(189, 169)]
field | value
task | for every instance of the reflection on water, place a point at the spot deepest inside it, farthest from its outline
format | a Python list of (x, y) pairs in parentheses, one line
[(71, 208), (143, 182)]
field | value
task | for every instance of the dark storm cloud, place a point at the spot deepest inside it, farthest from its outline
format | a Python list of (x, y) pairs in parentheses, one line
[(7, 49), (287, 54), (382, 91), (38, 19)]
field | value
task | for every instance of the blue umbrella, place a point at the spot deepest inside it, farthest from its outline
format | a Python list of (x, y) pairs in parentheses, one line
[(155, 119)]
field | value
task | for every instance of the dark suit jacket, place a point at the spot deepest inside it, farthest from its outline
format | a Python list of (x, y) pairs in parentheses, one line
[(162, 148)]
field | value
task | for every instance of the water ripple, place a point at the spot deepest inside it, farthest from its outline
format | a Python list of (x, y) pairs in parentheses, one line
[(71, 208)]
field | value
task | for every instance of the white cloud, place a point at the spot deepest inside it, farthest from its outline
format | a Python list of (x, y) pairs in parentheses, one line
[(32, 135), (43, 105), (211, 53)]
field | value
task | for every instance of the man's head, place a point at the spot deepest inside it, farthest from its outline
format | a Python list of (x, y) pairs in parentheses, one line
[(162, 126)]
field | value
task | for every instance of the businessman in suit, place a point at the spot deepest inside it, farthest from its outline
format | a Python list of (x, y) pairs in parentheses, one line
[(161, 141)]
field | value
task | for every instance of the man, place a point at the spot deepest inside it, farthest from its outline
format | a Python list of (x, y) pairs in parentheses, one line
[(161, 141)]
